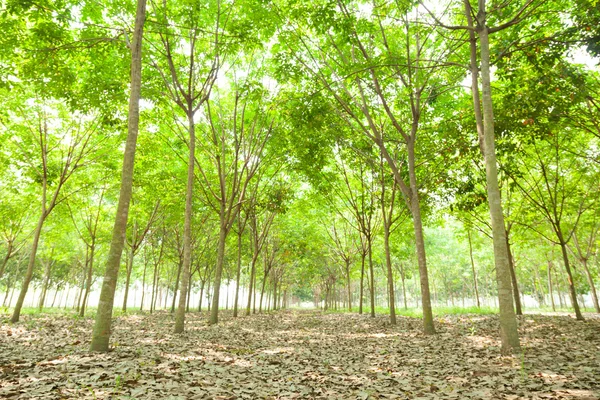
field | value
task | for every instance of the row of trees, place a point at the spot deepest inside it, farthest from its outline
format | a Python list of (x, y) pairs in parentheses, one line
[(289, 146)]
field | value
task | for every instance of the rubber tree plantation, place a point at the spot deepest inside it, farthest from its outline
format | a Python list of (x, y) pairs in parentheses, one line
[(289, 199)]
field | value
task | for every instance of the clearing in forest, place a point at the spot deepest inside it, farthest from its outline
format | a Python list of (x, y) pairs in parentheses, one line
[(298, 354)]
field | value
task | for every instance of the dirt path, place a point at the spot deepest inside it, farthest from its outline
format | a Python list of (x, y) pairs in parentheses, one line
[(298, 355)]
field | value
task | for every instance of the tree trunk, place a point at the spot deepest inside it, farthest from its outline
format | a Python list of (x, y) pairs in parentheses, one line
[(144, 282), (262, 292), (9, 250), (176, 286), (513, 277), (509, 334), (348, 284), (404, 289), (214, 312), (30, 266), (129, 269), (201, 294), (415, 209), (473, 268), (572, 291), (101, 333), (590, 280), (372, 276), (251, 287), (362, 279), (550, 291), (88, 282), (154, 288), (189, 294), (238, 273), (187, 229), (48, 270), (390, 275)]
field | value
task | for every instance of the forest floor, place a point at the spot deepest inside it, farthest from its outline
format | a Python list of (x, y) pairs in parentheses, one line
[(298, 354)]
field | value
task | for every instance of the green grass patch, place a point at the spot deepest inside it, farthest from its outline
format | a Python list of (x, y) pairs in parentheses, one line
[(418, 312)]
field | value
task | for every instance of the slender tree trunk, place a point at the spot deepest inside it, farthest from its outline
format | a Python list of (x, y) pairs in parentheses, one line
[(30, 266), (590, 280), (390, 275), (558, 290), (262, 292), (238, 272), (550, 291), (572, 291), (101, 333), (45, 284), (187, 230), (154, 288), (8, 289), (509, 334), (201, 294), (143, 282), (129, 269), (189, 293), (81, 287), (214, 312), (179, 266), (254, 298), (372, 277), (9, 253), (347, 261), (428, 326), (403, 286), (513, 277), (473, 269), (362, 280), (88, 282), (251, 284)]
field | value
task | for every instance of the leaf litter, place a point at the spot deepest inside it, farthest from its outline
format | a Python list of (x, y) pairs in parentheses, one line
[(298, 355)]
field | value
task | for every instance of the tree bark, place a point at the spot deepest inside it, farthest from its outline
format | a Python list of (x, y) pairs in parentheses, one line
[(251, 287), (415, 209), (30, 266), (238, 270), (179, 266), (214, 311), (102, 326), (88, 282), (45, 284), (128, 269), (390, 275), (590, 280), (509, 334), (187, 229), (473, 269), (572, 291), (372, 276), (362, 279), (513, 278)]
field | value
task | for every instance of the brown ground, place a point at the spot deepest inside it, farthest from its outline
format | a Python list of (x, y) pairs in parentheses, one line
[(298, 354)]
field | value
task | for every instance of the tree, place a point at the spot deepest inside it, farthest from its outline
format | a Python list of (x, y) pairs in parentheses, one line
[(53, 147), (102, 326)]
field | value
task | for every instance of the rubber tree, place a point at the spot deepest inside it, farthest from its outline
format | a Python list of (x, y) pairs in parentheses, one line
[(368, 94), (240, 124), (59, 146), (188, 77), (134, 243), (480, 61), (103, 322), (344, 247)]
